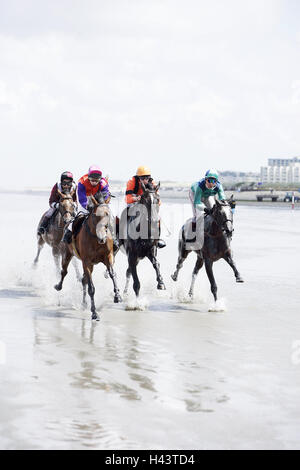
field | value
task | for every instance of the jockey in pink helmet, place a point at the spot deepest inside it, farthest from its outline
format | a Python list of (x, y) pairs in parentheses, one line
[(88, 185)]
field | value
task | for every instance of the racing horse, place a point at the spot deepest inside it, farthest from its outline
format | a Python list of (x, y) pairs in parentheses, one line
[(92, 243), (215, 241), (53, 236), (141, 235)]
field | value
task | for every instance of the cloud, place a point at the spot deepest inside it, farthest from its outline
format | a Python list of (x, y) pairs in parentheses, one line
[(163, 81)]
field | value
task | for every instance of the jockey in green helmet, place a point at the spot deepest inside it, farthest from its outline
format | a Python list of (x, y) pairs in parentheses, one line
[(200, 192)]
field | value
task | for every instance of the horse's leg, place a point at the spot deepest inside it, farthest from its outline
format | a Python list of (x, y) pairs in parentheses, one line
[(66, 258), (231, 263), (41, 243), (210, 274), (182, 255), (88, 269), (56, 253), (156, 265), (74, 262), (113, 277), (128, 274), (84, 284), (198, 266), (132, 262)]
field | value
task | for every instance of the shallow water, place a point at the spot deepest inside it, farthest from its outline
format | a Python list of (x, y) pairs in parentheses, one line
[(169, 375)]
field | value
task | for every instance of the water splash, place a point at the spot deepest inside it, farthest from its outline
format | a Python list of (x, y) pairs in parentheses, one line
[(134, 303), (219, 306)]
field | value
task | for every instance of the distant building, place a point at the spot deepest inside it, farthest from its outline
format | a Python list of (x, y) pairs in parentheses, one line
[(281, 170), (234, 177)]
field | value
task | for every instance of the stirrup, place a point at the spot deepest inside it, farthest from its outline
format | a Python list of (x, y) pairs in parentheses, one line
[(161, 244)]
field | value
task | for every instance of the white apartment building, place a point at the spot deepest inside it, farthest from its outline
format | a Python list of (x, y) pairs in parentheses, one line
[(280, 170)]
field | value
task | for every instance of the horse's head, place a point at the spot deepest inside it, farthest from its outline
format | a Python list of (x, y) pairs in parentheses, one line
[(67, 206), (99, 198), (151, 199), (100, 216), (222, 214)]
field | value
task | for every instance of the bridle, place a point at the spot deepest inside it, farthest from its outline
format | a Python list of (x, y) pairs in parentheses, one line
[(67, 211), (222, 223), (152, 195)]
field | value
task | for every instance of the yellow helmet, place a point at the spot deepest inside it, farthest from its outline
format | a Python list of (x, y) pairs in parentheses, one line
[(143, 171)]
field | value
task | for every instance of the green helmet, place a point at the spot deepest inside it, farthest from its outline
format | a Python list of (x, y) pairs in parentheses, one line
[(212, 173)]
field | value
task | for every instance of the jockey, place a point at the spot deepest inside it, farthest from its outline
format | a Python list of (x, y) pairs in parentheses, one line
[(134, 190), (89, 185), (66, 185), (202, 190)]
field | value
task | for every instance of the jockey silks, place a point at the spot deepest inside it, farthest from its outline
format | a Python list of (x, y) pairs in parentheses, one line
[(85, 189), (200, 193)]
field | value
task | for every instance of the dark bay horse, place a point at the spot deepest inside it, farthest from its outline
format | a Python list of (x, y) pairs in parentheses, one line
[(53, 236), (141, 236), (92, 243), (217, 233)]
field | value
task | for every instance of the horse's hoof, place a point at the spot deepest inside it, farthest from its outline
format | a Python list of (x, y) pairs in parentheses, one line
[(239, 279), (95, 317), (117, 299), (174, 277), (161, 286), (58, 287)]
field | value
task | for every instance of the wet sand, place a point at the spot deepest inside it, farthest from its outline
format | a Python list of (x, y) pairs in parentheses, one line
[(171, 375)]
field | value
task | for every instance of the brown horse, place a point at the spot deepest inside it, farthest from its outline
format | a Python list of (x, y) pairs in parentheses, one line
[(53, 236), (92, 244)]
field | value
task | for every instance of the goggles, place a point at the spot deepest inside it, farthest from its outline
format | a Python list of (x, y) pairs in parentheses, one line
[(211, 180), (146, 177), (94, 180)]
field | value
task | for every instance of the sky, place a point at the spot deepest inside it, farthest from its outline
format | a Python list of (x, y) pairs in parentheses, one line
[(177, 85)]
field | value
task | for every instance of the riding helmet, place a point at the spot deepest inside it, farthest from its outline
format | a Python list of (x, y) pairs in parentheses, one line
[(143, 171), (212, 173), (94, 172), (66, 176)]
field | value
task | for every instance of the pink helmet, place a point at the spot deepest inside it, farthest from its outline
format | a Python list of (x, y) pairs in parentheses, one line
[(95, 172)]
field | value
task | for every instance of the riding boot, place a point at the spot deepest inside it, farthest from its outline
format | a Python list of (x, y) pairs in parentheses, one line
[(116, 244), (43, 226), (161, 243)]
